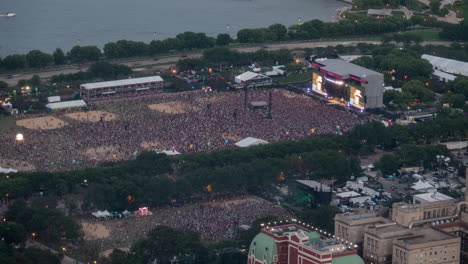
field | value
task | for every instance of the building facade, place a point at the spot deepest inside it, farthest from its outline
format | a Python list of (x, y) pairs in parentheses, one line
[(126, 88), (359, 87), (378, 241), (350, 226), (294, 244), (427, 245), (412, 215)]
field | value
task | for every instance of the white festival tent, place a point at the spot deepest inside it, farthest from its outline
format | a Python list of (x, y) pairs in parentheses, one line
[(5, 170), (422, 186), (250, 141), (66, 104), (171, 152), (101, 214)]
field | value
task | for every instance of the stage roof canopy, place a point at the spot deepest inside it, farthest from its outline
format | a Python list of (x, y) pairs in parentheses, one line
[(123, 82), (66, 104)]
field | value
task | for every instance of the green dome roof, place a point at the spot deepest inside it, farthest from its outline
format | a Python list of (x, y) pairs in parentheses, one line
[(265, 246)]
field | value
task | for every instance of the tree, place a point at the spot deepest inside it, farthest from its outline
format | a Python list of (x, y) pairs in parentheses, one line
[(388, 164), (35, 80), (435, 6), (191, 64), (455, 100), (460, 86), (38, 59), (164, 244), (400, 99), (322, 217), (3, 85), (12, 233), (85, 53), (223, 39), (59, 57), (417, 89), (14, 62), (107, 70), (279, 31)]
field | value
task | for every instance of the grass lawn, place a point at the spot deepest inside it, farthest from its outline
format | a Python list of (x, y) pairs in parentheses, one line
[(464, 9), (294, 77), (426, 34), (398, 14)]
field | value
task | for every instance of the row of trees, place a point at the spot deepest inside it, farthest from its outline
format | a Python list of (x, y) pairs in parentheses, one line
[(410, 4), (99, 70), (403, 64), (353, 24)]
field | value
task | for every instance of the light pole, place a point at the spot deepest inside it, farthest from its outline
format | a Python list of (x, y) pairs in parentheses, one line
[(19, 138)]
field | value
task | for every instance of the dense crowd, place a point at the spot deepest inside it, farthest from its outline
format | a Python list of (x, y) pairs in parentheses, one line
[(210, 121), (215, 221)]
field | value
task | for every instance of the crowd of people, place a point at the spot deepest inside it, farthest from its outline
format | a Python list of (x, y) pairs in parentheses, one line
[(210, 121), (215, 221)]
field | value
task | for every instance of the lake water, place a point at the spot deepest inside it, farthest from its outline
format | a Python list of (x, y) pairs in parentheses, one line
[(48, 24)]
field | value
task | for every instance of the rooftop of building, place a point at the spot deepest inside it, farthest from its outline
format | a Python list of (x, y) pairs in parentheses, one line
[(370, 215), (264, 245), (314, 239), (122, 82), (425, 235), (436, 204), (448, 65), (433, 197), (390, 228), (345, 68), (315, 185)]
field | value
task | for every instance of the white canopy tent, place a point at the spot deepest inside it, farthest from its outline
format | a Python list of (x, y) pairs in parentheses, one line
[(53, 99), (360, 200), (422, 186), (171, 152), (5, 170), (250, 141), (348, 194), (101, 214), (250, 76), (66, 104)]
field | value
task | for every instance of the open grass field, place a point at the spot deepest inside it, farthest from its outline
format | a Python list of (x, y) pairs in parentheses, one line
[(427, 34)]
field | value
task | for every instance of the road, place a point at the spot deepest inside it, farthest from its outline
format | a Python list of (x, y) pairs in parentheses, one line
[(173, 59)]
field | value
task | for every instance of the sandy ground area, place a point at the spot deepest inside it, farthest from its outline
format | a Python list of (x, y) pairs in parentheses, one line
[(92, 116), (151, 145), (93, 231), (175, 107), (46, 122), (102, 152), (232, 137), (16, 164)]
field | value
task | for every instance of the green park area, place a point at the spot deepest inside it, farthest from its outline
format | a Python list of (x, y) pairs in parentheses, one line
[(427, 34)]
